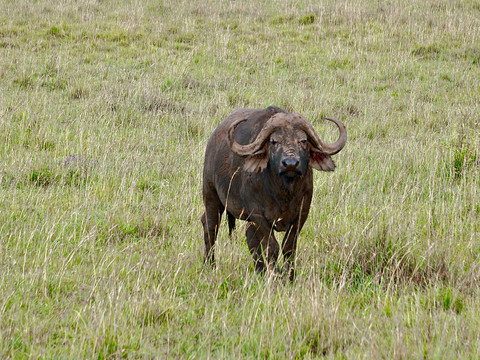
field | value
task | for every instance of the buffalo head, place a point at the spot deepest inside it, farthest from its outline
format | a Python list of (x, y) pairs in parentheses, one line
[(288, 144)]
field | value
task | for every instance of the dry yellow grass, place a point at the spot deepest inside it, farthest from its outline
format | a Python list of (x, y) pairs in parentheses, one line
[(105, 110)]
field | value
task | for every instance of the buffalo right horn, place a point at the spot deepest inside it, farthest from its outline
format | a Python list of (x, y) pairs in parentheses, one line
[(249, 149)]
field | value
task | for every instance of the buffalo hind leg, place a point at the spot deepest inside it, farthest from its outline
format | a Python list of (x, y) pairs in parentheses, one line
[(258, 239), (231, 223), (211, 221)]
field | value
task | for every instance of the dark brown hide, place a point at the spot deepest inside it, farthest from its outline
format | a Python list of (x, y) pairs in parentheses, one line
[(258, 166)]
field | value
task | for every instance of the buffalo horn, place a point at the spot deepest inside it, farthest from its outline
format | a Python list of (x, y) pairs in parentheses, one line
[(257, 144), (326, 148), (274, 123)]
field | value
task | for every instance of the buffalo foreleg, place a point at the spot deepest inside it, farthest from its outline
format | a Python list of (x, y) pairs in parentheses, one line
[(289, 243), (289, 247), (261, 238)]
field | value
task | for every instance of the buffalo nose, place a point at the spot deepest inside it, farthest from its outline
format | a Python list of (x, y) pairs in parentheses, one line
[(290, 163)]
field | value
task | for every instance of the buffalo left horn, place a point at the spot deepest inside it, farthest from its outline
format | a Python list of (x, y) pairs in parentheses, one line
[(326, 148)]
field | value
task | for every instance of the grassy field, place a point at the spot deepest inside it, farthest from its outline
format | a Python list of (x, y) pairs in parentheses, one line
[(105, 111)]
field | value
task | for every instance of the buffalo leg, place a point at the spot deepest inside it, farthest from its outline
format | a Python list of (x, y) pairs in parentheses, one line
[(258, 238), (211, 221), (289, 248), (289, 243), (231, 223)]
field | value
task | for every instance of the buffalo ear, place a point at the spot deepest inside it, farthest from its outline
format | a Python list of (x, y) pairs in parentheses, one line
[(256, 162), (321, 161)]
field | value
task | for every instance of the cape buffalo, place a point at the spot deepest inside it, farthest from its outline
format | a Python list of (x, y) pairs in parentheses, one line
[(258, 167)]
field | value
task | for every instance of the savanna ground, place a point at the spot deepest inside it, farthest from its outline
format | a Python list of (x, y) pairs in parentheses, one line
[(105, 111)]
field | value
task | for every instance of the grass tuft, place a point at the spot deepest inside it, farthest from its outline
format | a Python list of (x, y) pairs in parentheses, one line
[(42, 176), (427, 52), (307, 19)]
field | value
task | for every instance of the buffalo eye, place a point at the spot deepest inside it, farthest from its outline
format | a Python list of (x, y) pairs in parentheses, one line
[(273, 142), (303, 141)]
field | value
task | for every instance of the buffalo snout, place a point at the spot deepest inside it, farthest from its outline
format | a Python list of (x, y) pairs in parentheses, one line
[(290, 169), (290, 164)]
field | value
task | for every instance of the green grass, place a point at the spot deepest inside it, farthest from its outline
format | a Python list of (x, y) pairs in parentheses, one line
[(105, 111)]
